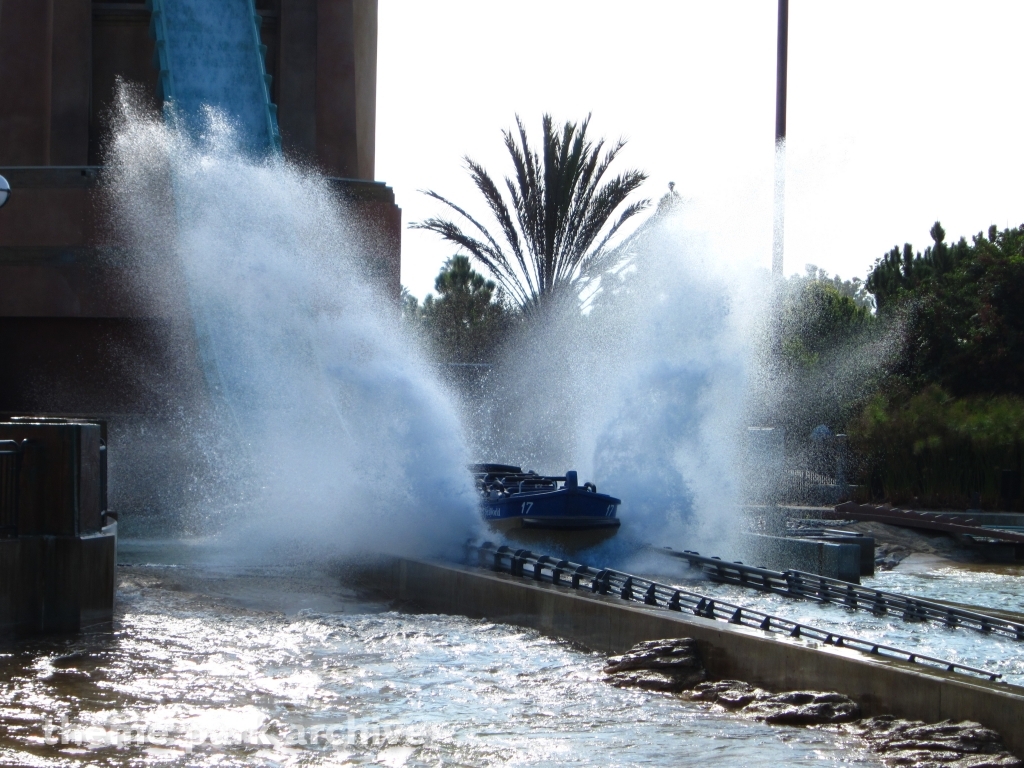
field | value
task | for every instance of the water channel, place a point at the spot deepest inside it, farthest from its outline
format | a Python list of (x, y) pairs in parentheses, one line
[(202, 655)]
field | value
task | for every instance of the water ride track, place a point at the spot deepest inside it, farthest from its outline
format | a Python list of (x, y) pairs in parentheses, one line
[(964, 525), (822, 589), (605, 581)]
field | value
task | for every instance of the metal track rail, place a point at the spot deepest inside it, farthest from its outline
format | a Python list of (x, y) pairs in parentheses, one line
[(822, 589), (606, 581)]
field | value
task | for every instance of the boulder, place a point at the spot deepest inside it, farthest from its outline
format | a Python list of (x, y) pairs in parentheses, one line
[(731, 694), (790, 708), (674, 666), (657, 665), (916, 744), (676, 654), (804, 708), (655, 680)]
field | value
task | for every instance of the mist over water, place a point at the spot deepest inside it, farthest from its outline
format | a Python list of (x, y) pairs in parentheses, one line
[(323, 427), (670, 435), (646, 393)]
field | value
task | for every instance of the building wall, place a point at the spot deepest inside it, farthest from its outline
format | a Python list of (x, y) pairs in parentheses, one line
[(60, 61), (25, 82), (120, 38), (324, 63)]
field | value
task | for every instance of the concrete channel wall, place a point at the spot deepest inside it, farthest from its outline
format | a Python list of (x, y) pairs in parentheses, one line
[(58, 544), (825, 558), (880, 685), (56, 583)]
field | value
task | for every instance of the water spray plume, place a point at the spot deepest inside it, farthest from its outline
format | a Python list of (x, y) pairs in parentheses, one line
[(331, 435), (645, 393)]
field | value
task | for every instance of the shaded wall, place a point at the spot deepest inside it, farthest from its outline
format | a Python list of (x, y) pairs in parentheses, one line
[(59, 60), (57, 555), (323, 56)]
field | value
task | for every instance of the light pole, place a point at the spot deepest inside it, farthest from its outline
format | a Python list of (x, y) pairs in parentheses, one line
[(5, 191), (782, 53)]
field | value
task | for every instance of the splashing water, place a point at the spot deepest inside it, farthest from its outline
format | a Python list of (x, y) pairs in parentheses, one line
[(327, 429), (645, 393), (669, 433)]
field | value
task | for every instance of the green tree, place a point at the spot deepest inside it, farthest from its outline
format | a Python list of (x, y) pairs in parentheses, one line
[(855, 288), (821, 316), (827, 360), (557, 221), (466, 321), (940, 449), (965, 304), (947, 420), (899, 273)]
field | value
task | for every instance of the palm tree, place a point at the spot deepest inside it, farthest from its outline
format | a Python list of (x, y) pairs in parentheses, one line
[(558, 210)]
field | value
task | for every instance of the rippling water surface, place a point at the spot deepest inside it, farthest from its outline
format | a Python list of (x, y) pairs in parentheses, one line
[(201, 655), (990, 585)]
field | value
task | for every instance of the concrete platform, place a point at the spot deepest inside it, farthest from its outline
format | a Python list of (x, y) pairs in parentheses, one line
[(880, 685), (57, 583), (834, 559), (58, 542)]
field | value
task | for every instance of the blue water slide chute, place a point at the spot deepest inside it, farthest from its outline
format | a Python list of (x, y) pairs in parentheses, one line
[(208, 52)]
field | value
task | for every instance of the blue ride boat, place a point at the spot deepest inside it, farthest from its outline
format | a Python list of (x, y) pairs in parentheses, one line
[(533, 509)]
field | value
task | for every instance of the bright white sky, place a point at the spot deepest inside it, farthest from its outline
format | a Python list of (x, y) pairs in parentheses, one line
[(900, 112)]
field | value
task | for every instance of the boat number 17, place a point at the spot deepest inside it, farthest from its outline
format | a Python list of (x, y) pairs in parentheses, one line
[(527, 506)]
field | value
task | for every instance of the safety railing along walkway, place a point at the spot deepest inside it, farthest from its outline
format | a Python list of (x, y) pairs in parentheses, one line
[(822, 589), (606, 581)]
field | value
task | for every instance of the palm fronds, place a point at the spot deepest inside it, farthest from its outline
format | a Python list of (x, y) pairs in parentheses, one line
[(557, 222)]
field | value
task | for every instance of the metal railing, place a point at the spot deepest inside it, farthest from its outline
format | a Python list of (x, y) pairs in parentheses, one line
[(822, 589), (605, 581), (10, 463)]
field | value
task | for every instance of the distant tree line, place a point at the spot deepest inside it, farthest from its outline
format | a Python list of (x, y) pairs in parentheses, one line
[(946, 426), (966, 310), (939, 419)]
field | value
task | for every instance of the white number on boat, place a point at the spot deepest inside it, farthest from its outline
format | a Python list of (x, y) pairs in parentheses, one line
[(611, 511), (527, 506)]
